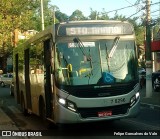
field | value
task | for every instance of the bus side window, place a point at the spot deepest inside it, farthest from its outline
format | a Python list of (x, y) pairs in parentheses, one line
[(32, 71)]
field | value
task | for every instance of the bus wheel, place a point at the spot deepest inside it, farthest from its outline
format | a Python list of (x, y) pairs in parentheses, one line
[(24, 110), (42, 109), (2, 84)]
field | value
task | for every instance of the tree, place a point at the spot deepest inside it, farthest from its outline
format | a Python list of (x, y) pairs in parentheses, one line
[(13, 14), (53, 11), (61, 17), (94, 15), (139, 31), (156, 30), (140, 35), (77, 15), (48, 11), (104, 15), (119, 17)]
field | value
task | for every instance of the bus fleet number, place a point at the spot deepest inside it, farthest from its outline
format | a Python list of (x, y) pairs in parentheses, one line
[(118, 101)]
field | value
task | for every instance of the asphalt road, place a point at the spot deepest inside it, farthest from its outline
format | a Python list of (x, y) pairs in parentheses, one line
[(146, 124)]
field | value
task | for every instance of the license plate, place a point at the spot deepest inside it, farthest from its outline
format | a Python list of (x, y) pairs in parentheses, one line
[(104, 113), (118, 101)]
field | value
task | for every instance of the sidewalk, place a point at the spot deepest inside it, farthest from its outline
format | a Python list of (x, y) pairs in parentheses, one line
[(5, 122), (151, 102), (6, 125)]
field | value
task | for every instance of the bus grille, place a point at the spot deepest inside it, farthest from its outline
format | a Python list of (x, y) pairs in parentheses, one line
[(92, 91), (88, 93), (93, 112)]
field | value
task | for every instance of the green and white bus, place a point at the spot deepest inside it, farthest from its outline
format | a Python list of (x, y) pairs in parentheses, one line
[(79, 71)]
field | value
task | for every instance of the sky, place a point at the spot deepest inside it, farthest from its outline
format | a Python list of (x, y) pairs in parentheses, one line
[(69, 6)]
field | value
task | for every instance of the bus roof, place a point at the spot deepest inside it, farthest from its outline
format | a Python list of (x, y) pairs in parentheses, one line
[(94, 21)]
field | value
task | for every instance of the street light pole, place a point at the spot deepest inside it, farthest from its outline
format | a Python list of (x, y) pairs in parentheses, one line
[(148, 52), (42, 15)]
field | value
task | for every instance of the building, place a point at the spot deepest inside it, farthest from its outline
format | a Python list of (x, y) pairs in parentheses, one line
[(155, 48), (6, 59)]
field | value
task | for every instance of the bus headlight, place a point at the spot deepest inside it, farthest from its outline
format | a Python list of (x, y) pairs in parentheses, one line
[(137, 95), (62, 101), (134, 99), (68, 104)]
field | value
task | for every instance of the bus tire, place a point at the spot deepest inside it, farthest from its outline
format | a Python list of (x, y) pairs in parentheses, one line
[(24, 110), (42, 109), (2, 84), (11, 92)]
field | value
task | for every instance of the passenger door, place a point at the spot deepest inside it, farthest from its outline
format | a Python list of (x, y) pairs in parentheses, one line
[(47, 78)]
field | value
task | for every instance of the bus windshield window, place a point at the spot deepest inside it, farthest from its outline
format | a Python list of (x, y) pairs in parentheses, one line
[(74, 68)]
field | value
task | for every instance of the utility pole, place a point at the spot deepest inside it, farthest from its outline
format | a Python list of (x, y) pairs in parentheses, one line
[(42, 15), (148, 52)]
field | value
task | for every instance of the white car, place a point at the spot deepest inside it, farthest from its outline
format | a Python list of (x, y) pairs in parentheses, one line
[(6, 79)]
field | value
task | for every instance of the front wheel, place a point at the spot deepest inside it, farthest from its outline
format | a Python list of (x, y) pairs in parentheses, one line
[(2, 84), (42, 111), (11, 91), (24, 110)]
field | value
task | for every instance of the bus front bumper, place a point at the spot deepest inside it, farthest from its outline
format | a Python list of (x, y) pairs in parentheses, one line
[(64, 115)]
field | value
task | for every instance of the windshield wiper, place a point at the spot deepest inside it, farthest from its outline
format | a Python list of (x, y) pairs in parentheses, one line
[(107, 57), (82, 48), (114, 46)]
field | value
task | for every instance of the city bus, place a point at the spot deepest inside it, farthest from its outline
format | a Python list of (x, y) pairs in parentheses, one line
[(79, 71)]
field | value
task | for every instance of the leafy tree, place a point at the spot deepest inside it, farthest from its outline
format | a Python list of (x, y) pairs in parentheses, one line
[(94, 15), (139, 31), (155, 30), (26, 15), (61, 17), (104, 15), (52, 10), (140, 35), (77, 15), (119, 17), (13, 14), (48, 12)]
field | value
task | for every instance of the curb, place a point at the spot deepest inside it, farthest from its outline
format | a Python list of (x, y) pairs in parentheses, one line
[(151, 106), (6, 122), (4, 118)]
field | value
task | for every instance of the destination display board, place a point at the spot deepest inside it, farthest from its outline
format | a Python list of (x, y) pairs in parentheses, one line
[(95, 29)]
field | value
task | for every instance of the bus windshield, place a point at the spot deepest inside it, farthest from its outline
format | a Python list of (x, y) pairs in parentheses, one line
[(83, 63)]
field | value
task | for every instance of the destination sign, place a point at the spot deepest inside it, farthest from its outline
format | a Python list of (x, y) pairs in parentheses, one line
[(95, 29)]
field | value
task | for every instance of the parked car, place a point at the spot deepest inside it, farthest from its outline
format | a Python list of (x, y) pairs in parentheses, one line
[(6, 79), (156, 80)]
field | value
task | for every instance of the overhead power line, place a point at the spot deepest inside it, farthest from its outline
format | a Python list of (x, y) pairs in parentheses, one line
[(136, 3), (135, 13), (154, 3), (155, 11), (143, 9), (130, 7), (122, 8)]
